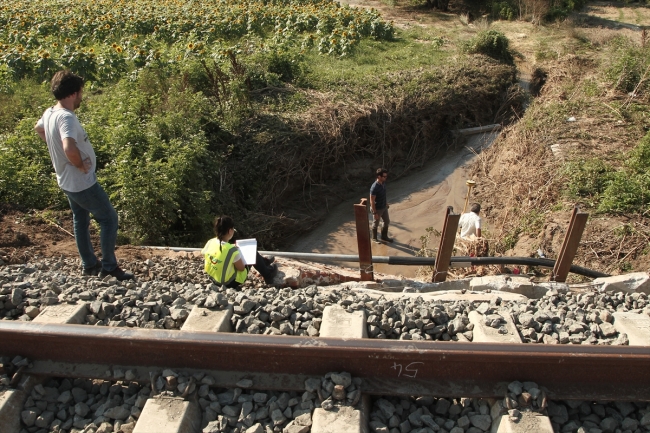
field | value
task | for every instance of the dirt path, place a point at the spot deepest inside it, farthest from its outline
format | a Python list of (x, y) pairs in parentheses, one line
[(416, 202)]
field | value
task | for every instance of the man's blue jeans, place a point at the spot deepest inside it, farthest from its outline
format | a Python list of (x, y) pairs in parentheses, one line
[(94, 200)]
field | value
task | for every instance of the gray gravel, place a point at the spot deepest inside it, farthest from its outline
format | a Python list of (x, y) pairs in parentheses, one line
[(464, 415), (429, 414), (166, 290), (83, 405)]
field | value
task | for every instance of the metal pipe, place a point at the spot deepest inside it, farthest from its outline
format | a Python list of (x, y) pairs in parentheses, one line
[(456, 261)]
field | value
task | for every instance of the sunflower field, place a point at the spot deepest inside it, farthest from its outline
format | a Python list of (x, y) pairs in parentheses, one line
[(105, 39)]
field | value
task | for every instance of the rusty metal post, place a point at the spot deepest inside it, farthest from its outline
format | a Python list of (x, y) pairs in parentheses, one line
[(363, 240), (570, 245), (446, 247)]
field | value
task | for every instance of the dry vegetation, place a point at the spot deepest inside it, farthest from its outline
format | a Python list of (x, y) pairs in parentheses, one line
[(580, 114)]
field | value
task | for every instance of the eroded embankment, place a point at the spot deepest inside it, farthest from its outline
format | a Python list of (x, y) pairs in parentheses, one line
[(402, 121)]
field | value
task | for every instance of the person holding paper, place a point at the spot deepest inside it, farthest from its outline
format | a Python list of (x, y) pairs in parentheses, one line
[(224, 261)]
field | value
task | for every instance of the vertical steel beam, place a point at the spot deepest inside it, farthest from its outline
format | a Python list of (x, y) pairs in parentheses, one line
[(363, 240), (570, 245), (446, 246)]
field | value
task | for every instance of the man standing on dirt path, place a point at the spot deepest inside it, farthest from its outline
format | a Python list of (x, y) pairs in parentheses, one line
[(470, 223), (379, 206), (74, 162)]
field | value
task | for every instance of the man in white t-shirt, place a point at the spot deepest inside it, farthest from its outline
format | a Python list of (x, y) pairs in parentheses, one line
[(74, 162), (470, 223)]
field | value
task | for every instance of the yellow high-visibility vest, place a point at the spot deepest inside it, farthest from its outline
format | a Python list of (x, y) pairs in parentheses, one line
[(219, 264)]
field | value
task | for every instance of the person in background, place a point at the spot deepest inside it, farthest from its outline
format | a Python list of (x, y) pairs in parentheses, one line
[(379, 206), (74, 162), (470, 223), (224, 262)]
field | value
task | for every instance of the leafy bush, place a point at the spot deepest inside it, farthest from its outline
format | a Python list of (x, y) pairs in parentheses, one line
[(629, 66), (629, 189), (503, 10), (491, 43), (587, 178), (26, 173), (158, 167)]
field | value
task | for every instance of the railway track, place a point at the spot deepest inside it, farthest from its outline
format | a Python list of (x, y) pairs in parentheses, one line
[(212, 381)]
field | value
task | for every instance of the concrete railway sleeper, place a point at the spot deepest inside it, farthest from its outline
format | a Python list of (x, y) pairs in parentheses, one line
[(181, 401)]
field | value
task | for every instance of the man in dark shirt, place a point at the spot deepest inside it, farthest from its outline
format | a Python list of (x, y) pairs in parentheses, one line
[(379, 205)]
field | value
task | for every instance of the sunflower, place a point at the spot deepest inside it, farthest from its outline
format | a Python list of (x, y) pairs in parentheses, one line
[(68, 40), (118, 49), (190, 46), (113, 45)]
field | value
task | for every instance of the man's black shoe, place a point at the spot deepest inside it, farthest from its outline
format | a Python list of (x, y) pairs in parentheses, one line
[(117, 273), (271, 277), (93, 271)]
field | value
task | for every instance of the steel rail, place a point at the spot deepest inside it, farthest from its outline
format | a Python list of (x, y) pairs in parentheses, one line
[(388, 367), (456, 261)]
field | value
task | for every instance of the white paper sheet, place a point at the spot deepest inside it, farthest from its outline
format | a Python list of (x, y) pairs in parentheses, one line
[(248, 248)]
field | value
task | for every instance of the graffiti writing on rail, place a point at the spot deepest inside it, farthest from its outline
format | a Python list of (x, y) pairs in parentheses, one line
[(409, 371)]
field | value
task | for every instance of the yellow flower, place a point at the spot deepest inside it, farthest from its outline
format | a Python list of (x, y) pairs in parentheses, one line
[(92, 50), (114, 45), (190, 46), (118, 49), (15, 32), (156, 28), (142, 52), (333, 41), (67, 40), (45, 54), (20, 48), (107, 26), (54, 44)]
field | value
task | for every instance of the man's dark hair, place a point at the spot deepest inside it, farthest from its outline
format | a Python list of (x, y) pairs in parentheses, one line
[(476, 208), (381, 171), (66, 83)]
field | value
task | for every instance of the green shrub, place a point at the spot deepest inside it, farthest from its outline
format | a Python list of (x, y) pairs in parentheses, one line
[(153, 155), (26, 173), (503, 10), (491, 43), (629, 63), (587, 178), (629, 189)]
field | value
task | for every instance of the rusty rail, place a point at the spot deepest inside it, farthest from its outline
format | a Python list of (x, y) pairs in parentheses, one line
[(388, 367), (569, 245), (446, 247), (363, 240)]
